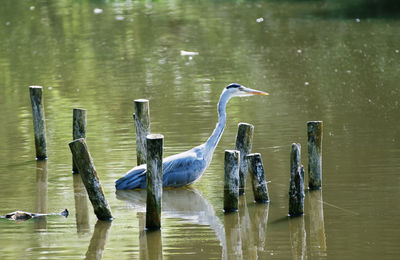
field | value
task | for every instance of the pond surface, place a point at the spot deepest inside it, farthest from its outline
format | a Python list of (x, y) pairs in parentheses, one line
[(319, 60)]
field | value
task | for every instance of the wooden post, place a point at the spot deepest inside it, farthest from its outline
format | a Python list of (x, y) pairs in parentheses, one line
[(142, 127), (244, 141), (259, 184), (314, 130), (90, 179), (231, 181), (36, 94), (296, 190), (154, 181), (78, 129)]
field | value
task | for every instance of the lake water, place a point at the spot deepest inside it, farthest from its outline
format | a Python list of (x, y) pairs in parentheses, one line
[(319, 60)]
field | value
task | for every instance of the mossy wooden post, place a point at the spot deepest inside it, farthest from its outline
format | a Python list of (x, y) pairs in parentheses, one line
[(314, 130), (78, 129), (244, 142), (142, 128), (296, 187), (257, 174), (84, 163), (154, 181), (231, 181), (39, 125)]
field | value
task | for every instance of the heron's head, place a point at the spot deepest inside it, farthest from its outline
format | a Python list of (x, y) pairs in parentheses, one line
[(237, 90)]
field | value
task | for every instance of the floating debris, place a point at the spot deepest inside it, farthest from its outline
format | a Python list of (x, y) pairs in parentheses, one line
[(306, 83), (32, 8), (259, 20), (189, 53), (358, 20), (97, 11), (299, 51), (22, 215), (396, 51)]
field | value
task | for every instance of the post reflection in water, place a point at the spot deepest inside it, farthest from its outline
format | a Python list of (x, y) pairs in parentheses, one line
[(250, 232), (298, 237), (259, 220), (184, 203), (152, 238), (41, 194), (98, 241), (249, 248), (242, 236), (233, 236), (317, 226), (81, 205)]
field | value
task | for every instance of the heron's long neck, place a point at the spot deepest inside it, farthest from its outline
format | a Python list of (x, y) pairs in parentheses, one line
[(219, 129)]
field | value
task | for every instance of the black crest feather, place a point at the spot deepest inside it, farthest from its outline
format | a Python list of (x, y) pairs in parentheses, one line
[(233, 85)]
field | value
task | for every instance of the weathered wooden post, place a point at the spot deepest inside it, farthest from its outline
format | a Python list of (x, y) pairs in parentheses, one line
[(142, 128), (296, 188), (314, 130), (259, 184), (78, 129), (39, 125), (84, 163), (154, 181), (231, 181), (244, 142)]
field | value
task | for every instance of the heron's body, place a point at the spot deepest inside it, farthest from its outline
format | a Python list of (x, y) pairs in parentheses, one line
[(187, 167)]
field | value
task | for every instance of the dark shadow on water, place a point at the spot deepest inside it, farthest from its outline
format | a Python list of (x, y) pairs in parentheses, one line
[(344, 9)]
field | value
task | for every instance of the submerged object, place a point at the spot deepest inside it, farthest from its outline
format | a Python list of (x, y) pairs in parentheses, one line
[(22, 215), (185, 168)]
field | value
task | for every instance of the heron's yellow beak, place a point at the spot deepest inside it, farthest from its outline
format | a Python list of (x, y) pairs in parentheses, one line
[(255, 92), (262, 93)]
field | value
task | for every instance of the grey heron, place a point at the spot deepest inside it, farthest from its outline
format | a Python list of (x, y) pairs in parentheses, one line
[(187, 167)]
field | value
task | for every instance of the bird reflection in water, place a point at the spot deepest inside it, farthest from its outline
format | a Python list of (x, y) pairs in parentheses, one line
[(187, 204), (242, 235)]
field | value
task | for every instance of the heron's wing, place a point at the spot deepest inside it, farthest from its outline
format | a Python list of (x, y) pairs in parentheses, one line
[(183, 169), (134, 179), (178, 170)]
